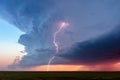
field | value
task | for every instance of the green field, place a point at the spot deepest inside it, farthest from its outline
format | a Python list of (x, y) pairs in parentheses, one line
[(31, 75)]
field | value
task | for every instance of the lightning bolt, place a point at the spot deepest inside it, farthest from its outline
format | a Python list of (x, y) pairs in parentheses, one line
[(62, 26)]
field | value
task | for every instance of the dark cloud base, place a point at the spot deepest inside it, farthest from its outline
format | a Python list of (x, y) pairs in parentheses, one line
[(103, 49)]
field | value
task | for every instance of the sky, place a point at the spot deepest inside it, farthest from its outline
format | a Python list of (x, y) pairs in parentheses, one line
[(9, 46), (63, 35)]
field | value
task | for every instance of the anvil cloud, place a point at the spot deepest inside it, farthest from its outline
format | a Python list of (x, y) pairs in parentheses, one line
[(92, 36)]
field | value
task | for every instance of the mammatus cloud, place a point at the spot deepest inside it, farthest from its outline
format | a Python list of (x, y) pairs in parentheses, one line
[(84, 41)]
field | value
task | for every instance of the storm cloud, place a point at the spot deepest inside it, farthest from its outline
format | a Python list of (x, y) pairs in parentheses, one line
[(105, 49), (91, 37)]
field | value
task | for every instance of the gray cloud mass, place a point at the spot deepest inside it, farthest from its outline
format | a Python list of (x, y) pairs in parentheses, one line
[(92, 35)]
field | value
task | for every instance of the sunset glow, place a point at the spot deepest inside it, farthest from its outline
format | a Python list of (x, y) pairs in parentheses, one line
[(60, 35)]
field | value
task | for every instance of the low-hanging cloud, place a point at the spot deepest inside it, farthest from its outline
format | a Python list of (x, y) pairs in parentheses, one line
[(104, 49), (80, 42)]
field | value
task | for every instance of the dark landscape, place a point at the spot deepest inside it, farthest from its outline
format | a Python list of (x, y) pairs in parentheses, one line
[(32, 75)]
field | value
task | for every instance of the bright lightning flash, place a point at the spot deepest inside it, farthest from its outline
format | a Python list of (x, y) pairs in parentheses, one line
[(62, 26)]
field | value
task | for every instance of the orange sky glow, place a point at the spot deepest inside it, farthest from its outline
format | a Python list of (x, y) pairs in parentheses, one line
[(101, 67)]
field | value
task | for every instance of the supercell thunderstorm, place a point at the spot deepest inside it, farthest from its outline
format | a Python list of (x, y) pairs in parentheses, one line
[(65, 31)]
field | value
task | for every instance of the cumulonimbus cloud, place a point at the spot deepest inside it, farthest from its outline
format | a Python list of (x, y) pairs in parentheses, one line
[(81, 42), (104, 49)]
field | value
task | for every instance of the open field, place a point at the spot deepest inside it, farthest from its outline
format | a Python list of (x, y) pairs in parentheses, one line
[(31, 75)]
